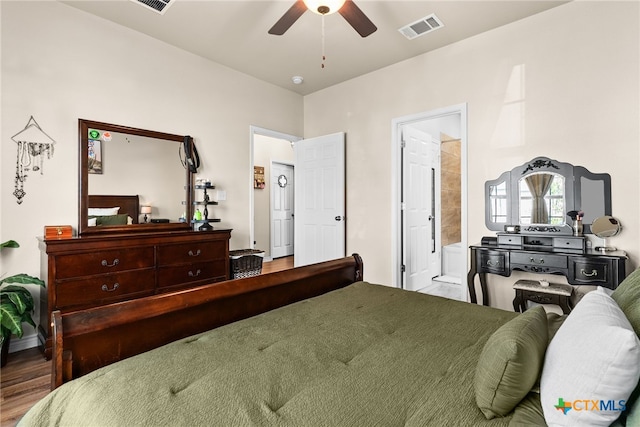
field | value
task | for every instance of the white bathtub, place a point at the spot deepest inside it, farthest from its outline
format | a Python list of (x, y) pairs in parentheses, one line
[(451, 260)]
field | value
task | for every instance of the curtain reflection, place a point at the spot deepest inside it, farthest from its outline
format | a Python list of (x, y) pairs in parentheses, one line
[(539, 185)]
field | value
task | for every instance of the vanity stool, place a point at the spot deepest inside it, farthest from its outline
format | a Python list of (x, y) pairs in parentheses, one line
[(531, 290)]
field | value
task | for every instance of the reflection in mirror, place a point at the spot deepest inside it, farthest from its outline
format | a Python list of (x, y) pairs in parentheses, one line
[(542, 191), (498, 202), (129, 164), (604, 227), (541, 199)]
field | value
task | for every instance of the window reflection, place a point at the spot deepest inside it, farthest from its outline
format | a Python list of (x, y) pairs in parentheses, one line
[(498, 200), (541, 199)]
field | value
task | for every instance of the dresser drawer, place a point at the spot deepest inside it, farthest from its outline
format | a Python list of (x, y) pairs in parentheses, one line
[(94, 291), (191, 252), (590, 271), (509, 239), (539, 260), (494, 262), (101, 262), (211, 271)]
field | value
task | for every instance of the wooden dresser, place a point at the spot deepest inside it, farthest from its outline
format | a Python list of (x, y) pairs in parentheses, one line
[(93, 271)]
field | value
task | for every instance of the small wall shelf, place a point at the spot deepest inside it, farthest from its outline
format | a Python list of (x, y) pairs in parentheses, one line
[(204, 224)]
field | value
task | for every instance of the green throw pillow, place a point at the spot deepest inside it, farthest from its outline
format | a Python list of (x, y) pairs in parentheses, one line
[(510, 363), (627, 295), (120, 219)]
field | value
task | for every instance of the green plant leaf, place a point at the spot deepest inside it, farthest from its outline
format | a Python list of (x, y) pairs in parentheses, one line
[(23, 279), (10, 318), (9, 244)]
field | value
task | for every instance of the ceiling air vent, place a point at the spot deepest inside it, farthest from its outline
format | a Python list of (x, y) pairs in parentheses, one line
[(159, 6), (421, 26)]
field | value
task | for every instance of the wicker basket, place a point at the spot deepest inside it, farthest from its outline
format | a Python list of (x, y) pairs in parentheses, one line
[(245, 263)]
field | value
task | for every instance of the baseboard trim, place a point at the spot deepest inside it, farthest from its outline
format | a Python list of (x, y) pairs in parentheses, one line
[(23, 343)]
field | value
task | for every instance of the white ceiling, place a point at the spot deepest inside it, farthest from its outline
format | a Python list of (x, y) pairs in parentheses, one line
[(234, 33)]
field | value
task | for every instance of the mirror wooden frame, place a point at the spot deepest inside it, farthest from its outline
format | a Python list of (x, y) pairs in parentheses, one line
[(83, 180)]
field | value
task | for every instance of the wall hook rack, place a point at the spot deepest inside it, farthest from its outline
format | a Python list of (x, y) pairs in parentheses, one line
[(33, 145)]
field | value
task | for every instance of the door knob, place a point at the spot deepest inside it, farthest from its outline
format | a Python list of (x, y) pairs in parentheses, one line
[(339, 218)]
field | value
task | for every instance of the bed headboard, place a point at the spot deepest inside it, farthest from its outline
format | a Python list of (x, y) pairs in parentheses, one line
[(128, 204)]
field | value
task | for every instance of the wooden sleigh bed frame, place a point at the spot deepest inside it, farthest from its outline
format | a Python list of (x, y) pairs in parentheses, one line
[(86, 340)]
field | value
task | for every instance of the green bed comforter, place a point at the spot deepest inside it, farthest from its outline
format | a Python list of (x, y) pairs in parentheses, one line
[(365, 355)]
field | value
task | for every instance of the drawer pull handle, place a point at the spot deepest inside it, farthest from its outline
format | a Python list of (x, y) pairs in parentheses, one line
[(196, 274), (540, 261), (592, 274), (105, 263), (197, 253), (493, 263), (106, 288)]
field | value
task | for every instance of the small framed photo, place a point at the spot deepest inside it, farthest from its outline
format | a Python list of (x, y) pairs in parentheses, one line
[(94, 163)]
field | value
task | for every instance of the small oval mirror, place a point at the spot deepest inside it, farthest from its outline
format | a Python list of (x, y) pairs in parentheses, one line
[(603, 227)]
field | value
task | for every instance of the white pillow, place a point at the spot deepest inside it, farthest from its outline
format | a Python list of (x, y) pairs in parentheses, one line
[(92, 222), (103, 211), (591, 366)]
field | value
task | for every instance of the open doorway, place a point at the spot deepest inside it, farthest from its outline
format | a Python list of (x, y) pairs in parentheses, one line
[(268, 148), (429, 202)]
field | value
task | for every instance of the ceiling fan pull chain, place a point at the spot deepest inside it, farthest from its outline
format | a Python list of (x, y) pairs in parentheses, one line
[(323, 56)]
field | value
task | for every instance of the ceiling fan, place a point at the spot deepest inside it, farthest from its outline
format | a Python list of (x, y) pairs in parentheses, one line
[(348, 9)]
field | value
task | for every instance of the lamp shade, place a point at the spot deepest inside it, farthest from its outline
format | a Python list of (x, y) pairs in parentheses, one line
[(145, 209), (324, 7)]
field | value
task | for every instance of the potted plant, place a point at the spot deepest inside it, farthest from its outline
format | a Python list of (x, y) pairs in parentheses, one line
[(16, 304)]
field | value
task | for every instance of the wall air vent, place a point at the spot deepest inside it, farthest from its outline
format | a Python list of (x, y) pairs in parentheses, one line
[(421, 26), (159, 6)]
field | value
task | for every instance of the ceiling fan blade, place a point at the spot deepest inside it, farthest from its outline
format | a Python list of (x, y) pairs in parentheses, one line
[(357, 19), (288, 18)]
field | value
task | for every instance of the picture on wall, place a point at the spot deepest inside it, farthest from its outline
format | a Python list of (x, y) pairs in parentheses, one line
[(94, 163)]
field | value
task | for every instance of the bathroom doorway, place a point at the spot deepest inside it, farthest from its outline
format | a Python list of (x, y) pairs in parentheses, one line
[(429, 202)]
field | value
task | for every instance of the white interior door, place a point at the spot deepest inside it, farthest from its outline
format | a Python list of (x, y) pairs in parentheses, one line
[(319, 226), (282, 190), (421, 231)]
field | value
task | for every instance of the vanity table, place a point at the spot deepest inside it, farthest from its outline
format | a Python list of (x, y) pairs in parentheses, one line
[(588, 267), (529, 207)]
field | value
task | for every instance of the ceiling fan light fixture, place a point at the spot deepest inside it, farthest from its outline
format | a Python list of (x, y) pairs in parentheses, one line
[(324, 7)]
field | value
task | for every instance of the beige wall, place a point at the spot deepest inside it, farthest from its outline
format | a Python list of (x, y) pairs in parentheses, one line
[(60, 64), (549, 85)]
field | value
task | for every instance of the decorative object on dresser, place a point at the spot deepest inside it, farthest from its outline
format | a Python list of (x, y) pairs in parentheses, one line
[(605, 227), (145, 210), (203, 222), (58, 232), (94, 271)]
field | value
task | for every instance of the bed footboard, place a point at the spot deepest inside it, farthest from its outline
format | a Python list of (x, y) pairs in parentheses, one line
[(89, 339)]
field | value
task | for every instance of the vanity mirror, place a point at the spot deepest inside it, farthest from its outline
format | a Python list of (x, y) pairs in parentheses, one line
[(538, 194), (124, 167)]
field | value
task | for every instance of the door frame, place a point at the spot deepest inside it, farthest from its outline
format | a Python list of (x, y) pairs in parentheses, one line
[(256, 130), (396, 188), (271, 195)]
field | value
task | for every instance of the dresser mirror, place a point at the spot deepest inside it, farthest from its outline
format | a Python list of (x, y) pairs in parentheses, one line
[(127, 168), (539, 193)]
